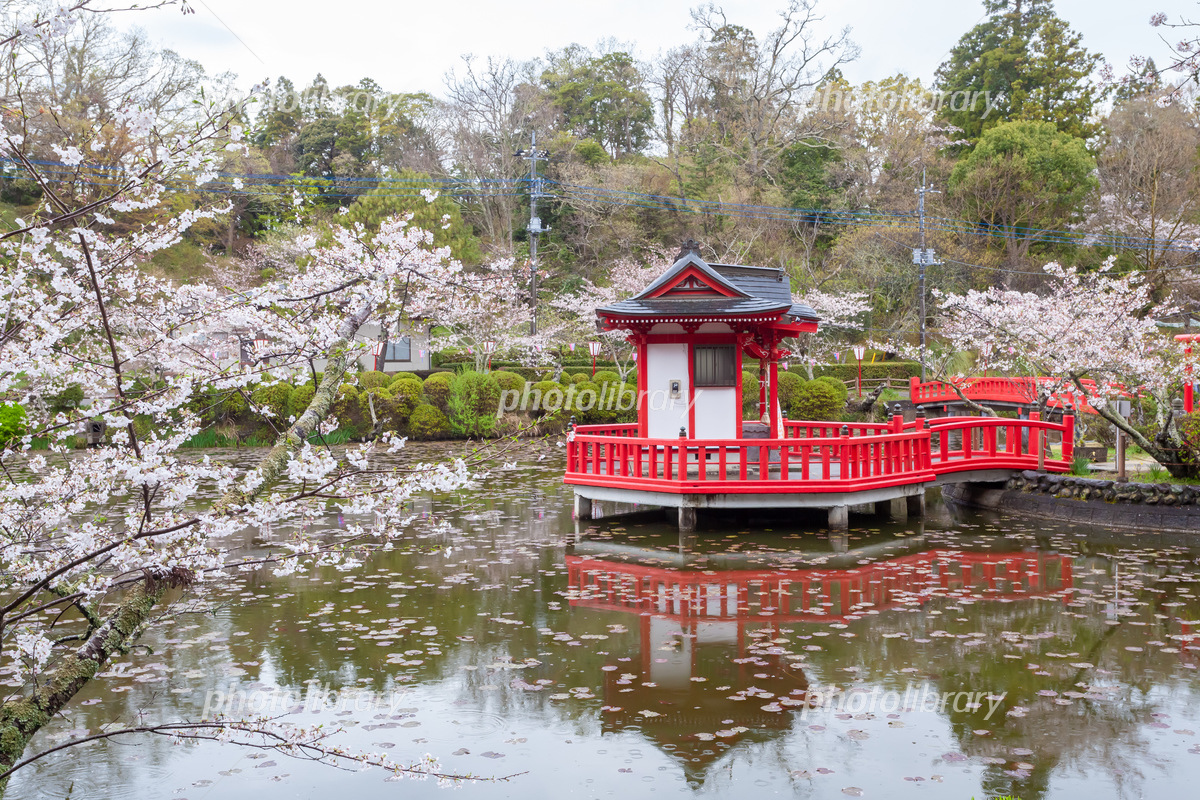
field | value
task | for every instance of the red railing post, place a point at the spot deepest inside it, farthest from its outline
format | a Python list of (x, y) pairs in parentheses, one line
[(1068, 442)]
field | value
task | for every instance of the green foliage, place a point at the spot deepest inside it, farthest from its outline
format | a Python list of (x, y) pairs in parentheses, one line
[(901, 370), (348, 413), (1028, 62), (66, 400), (474, 402), (301, 396), (838, 386), (233, 404), (591, 153), (749, 396), (427, 423), (585, 403), (806, 174), (373, 379), (406, 376), (601, 98), (275, 397), (509, 381), (551, 396), (12, 422), (388, 415), (817, 400), (406, 395), (183, 262), (402, 196), (579, 377), (606, 376), (436, 390), (1023, 176), (789, 385)]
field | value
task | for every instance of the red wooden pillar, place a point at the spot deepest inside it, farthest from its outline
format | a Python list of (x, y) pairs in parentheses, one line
[(642, 400), (773, 398)]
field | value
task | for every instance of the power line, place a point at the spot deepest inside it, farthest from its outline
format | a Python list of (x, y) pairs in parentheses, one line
[(471, 189)]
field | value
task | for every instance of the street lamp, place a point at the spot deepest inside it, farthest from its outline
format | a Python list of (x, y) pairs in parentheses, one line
[(859, 352), (594, 349), (488, 348)]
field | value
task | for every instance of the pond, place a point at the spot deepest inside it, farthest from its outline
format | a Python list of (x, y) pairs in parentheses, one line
[(955, 656)]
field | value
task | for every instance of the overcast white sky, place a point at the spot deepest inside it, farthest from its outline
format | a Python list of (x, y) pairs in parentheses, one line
[(409, 46)]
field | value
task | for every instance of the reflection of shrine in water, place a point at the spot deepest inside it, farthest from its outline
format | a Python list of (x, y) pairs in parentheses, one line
[(712, 650)]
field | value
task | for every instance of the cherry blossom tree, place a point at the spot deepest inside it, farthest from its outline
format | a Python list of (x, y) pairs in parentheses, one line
[(1082, 327), (101, 537), (626, 278), (841, 314), (488, 304)]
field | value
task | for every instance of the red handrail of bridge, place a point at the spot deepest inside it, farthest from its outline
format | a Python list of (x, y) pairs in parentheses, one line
[(812, 458), (1015, 391)]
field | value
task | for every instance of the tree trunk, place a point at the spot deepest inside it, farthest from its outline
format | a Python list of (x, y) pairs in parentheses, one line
[(21, 718)]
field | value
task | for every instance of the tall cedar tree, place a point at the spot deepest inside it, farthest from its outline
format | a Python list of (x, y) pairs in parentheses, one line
[(1028, 64)]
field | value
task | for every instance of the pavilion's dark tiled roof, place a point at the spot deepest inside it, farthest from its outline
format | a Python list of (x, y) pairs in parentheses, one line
[(756, 290), (693, 307)]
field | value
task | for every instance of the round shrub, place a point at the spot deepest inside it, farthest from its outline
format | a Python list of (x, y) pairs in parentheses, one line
[(817, 400), (606, 376), (373, 379), (233, 404), (348, 413), (789, 384), (274, 397), (436, 390), (837, 385), (585, 402), (406, 395), (625, 403), (428, 422), (550, 397), (474, 403), (509, 381), (580, 377), (301, 396), (405, 376), (386, 417), (749, 395)]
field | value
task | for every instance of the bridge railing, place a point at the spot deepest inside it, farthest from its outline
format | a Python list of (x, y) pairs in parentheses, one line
[(812, 459), (749, 466), (972, 443), (1009, 390)]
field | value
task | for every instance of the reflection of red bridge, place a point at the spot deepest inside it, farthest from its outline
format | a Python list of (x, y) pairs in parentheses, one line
[(812, 595), (1017, 392)]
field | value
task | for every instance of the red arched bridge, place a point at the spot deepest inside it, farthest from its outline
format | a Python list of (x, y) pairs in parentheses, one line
[(821, 465), (1019, 392)]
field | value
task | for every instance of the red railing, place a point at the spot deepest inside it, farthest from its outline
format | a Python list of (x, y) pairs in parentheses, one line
[(811, 459), (754, 466), (967, 443), (628, 429), (1018, 391)]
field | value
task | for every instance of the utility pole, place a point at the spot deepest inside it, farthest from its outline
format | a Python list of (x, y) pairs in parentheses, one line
[(535, 223), (923, 257)]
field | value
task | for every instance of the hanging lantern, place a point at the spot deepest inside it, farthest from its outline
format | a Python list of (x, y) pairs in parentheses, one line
[(594, 349)]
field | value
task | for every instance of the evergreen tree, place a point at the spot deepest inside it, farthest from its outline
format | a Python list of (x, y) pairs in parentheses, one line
[(1022, 63)]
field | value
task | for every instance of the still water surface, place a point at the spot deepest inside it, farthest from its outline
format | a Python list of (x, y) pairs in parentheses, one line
[(617, 659)]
